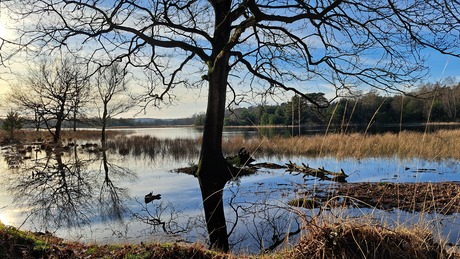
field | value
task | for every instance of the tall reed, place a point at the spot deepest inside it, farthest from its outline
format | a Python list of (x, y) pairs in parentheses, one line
[(442, 144), (154, 147)]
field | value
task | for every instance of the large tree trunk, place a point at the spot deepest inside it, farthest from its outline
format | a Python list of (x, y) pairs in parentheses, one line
[(213, 171), (58, 127), (57, 131)]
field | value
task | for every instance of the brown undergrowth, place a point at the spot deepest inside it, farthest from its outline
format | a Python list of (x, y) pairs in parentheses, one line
[(358, 238), (442, 198), (341, 239)]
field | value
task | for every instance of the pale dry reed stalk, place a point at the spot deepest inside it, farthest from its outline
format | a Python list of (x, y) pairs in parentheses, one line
[(442, 144), (345, 237)]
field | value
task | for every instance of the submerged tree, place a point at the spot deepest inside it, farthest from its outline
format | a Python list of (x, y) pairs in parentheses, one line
[(266, 46)]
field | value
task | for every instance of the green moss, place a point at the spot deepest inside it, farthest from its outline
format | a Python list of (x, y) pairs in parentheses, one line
[(92, 250), (233, 160), (19, 243), (198, 168), (142, 255)]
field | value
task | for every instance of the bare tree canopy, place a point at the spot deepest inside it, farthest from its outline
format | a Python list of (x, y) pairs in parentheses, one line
[(53, 91), (377, 43), (245, 46), (112, 93)]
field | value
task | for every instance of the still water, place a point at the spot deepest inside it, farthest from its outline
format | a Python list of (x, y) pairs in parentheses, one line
[(248, 132), (99, 197)]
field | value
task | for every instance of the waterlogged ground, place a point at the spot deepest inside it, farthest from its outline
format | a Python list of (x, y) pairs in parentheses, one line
[(91, 196)]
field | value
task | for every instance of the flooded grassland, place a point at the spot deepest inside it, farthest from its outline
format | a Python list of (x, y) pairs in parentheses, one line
[(131, 191)]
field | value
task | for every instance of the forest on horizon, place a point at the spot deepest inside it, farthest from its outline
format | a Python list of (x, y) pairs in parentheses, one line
[(429, 103)]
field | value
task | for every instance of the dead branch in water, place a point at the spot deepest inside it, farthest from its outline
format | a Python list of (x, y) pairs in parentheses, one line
[(321, 173)]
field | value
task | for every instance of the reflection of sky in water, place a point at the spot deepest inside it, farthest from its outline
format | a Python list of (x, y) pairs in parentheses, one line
[(166, 133), (272, 186), (385, 169)]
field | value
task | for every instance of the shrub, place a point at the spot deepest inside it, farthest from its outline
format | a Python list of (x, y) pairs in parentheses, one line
[(12, 124)]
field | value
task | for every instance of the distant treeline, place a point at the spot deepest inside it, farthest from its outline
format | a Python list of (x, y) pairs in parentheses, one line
[(431, 102), (139, 122), (117, 122)]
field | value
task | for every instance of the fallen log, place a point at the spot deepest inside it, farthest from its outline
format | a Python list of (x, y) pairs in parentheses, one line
[(242, 165), (320, 173)]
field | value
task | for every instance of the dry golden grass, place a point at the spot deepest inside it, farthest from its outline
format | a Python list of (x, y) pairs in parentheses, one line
[(442, 144), (362, 238)]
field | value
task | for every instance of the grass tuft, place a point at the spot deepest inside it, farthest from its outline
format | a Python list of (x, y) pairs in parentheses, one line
[(360, 239)]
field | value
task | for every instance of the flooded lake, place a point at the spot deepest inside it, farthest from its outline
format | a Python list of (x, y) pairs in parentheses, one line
[(94, 196)]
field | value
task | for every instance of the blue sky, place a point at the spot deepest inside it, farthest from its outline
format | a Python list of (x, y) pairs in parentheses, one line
[(442, 66), (194, 101)]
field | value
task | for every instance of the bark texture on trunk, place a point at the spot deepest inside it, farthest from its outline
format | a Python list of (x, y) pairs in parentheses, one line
[(104, 126), (213, 172)]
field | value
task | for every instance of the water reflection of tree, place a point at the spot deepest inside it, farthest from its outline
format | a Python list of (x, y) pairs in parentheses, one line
[(263, 225), (164, 217), (55, 192), (111, 197), (62, 190)]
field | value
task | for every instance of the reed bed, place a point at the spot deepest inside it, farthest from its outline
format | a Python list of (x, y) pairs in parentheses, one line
[(154, 147), (443, 144)]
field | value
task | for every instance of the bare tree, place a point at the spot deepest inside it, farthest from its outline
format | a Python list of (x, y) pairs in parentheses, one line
[(272, 46), (53, 92), (112, 90)]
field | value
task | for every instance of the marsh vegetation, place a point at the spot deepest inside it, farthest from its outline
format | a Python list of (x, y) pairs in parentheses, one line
[(100, 191)]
